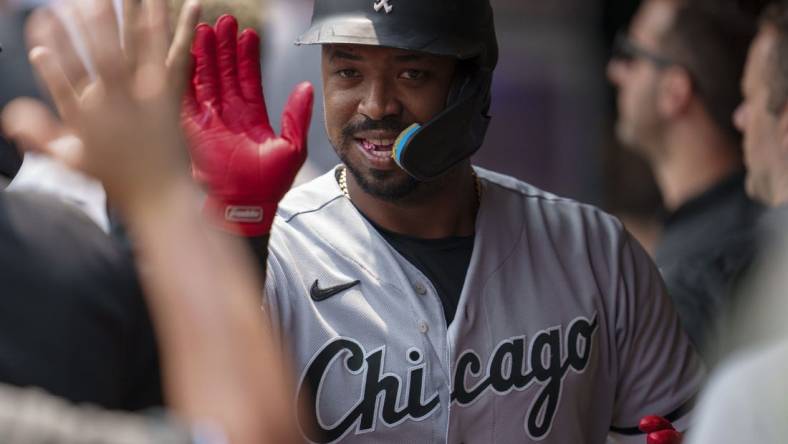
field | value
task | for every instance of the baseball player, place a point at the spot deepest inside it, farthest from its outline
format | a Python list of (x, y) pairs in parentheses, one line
[(423, 299)]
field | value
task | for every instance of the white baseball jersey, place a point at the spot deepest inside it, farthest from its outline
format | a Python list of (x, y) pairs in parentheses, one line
[(563, 330)]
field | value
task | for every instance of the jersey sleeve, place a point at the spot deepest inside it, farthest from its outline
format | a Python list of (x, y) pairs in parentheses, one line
[(659, 372), (270, 292)]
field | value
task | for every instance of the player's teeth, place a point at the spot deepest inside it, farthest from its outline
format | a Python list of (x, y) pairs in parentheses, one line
[(381, 154), (377, 145)]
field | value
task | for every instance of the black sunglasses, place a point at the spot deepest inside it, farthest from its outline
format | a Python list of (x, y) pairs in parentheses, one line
[(627, 50)]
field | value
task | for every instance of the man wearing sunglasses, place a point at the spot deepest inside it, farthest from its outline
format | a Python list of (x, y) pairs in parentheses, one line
[(677, 73)]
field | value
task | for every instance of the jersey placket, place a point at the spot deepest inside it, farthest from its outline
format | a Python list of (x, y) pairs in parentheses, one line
[(430, 321)]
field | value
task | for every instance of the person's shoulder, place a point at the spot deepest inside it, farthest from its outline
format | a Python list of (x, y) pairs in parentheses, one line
[(44, 232), (769, 359), (30, 213), (507, 193), (531, 194), (748, 390), (309, 198), (60, 270)]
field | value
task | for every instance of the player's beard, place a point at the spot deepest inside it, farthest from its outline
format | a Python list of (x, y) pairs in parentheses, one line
[(388, 185)]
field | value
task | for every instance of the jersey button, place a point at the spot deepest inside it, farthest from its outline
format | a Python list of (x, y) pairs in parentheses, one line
[(423, 327), (420, 288)]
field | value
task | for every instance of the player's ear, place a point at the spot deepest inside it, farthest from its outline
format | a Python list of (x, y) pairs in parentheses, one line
[(674, 91)]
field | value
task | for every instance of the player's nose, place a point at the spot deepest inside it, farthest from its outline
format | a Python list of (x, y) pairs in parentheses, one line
[(379, 100)]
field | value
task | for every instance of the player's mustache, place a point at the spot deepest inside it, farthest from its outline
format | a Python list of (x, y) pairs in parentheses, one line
[(390, 123)]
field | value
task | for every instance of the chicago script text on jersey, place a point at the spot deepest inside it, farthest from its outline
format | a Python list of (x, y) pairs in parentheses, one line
[(387, 398)]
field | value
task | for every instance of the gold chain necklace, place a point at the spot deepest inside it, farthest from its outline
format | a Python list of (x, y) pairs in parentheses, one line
[(343, 184)]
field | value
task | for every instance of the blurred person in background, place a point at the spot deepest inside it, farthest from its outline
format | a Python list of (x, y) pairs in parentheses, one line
[(762, 115), (122, 126), (745, 400), (16, 75), (677, 72), (630, 191), (763, 118), (73, 321), (283, 68), (38, 173)]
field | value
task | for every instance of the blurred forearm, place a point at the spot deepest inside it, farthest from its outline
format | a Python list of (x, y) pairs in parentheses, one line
[(30, 416), (219, 362)]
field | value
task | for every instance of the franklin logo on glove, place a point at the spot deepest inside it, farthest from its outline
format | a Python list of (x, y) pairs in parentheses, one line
[(243, 214)]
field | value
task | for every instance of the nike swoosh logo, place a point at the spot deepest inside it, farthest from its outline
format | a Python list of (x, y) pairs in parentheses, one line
[(321, 294)]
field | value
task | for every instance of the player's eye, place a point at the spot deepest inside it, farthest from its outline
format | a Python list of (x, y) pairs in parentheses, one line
[(414, 74), (348, 73)]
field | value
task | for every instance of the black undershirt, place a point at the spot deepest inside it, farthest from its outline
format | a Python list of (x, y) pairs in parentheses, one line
[(444, 261)]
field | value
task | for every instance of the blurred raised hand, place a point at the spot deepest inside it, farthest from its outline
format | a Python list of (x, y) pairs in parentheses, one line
[(120, 125)]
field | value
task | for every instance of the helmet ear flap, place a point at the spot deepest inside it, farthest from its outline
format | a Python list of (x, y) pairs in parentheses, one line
[(462, 78), (428, 151)]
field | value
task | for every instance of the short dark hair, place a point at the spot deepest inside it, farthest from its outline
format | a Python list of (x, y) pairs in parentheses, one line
[(776, 16), (711, 40)]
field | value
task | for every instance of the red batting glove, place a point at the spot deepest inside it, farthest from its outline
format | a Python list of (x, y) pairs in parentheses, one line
[(660, 430), (235, 152)]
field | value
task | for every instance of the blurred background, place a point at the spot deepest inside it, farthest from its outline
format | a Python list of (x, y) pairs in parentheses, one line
[(553, 109)]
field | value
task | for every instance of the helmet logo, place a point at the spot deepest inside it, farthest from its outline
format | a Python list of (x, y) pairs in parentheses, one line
[(383, 4)]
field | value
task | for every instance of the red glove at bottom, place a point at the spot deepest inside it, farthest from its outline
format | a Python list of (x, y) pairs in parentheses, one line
[(659, 430)]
